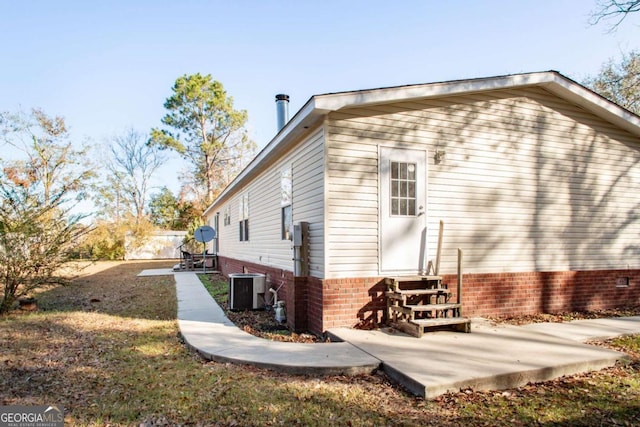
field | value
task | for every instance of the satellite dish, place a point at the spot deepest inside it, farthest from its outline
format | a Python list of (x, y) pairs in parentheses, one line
[(204, 234)]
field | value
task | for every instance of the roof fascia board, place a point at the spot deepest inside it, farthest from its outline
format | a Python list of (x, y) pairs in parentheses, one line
[(552, 80), (305, 118), (333, 102), (597, 104)]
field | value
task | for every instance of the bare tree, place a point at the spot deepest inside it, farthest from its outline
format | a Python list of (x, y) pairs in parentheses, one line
[(613, 9), (130, 169)]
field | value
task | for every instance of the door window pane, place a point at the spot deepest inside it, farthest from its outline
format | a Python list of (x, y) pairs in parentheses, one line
[(403, 189)]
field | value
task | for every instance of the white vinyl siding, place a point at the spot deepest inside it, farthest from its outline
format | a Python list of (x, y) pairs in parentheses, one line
[(352, 207), (529, 183), (265, 245), (308, 197)]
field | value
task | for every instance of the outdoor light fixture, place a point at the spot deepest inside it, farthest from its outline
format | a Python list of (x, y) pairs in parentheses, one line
[(439, 156)]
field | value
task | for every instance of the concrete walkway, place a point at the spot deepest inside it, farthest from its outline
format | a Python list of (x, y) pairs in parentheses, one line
[(205, 328), (491, 357)]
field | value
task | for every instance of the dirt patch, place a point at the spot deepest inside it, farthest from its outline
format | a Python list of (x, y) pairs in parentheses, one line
[(112, 287), (86, 268)]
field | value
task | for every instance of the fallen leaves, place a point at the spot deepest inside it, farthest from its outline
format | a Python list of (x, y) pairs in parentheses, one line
[(567, 316), (261, 323), (118, 362)]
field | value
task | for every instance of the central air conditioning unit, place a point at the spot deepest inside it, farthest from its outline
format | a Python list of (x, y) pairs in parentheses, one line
[(246, 291)]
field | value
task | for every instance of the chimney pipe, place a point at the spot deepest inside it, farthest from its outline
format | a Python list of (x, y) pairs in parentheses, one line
[(282, 110)]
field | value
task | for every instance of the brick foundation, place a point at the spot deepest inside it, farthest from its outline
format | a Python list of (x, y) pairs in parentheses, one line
[(296, 305), (353, 302), (360, 302), (316, 305), (511, 294)]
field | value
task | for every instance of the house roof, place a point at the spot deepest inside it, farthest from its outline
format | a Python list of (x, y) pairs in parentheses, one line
[(318, 106)]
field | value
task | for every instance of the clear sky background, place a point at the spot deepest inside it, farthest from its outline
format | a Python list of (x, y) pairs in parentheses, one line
[(106, 66)]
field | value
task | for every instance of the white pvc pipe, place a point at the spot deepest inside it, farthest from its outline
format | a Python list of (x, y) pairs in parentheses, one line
[(275, 296)]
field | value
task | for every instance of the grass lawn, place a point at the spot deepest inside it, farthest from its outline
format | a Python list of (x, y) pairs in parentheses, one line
[(106, 348)]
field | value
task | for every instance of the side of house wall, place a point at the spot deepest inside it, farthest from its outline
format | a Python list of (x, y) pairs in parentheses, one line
[(529, 183), (265, 245), (515, 294), (539, 194), (533, 183)]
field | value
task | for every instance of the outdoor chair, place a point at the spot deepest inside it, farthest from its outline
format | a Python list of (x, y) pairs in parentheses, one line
[(189, 263)]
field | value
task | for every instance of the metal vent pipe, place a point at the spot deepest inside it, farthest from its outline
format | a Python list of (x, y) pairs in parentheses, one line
[(282, 110)]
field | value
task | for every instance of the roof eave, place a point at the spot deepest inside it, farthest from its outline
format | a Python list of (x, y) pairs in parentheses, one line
[(319, 106), (333, 102), (306, 118), (579, 95), (551, 80)]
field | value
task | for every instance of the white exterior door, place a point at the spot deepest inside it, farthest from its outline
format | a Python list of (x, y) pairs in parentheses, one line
[(403, 218)]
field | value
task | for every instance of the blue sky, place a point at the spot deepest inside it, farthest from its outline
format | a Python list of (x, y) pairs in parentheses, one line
[(109, 65)]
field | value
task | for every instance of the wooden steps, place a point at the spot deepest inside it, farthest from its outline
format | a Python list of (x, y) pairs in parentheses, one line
[(418, 308), (418, 327), (430, 307), (401, 294), (418, 303)]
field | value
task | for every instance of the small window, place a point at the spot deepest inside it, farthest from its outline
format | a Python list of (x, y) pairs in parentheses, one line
[(286, 211), (403, 189), (287, 222), (286, 186), (243, 215), (227, 215), (244, 230)]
